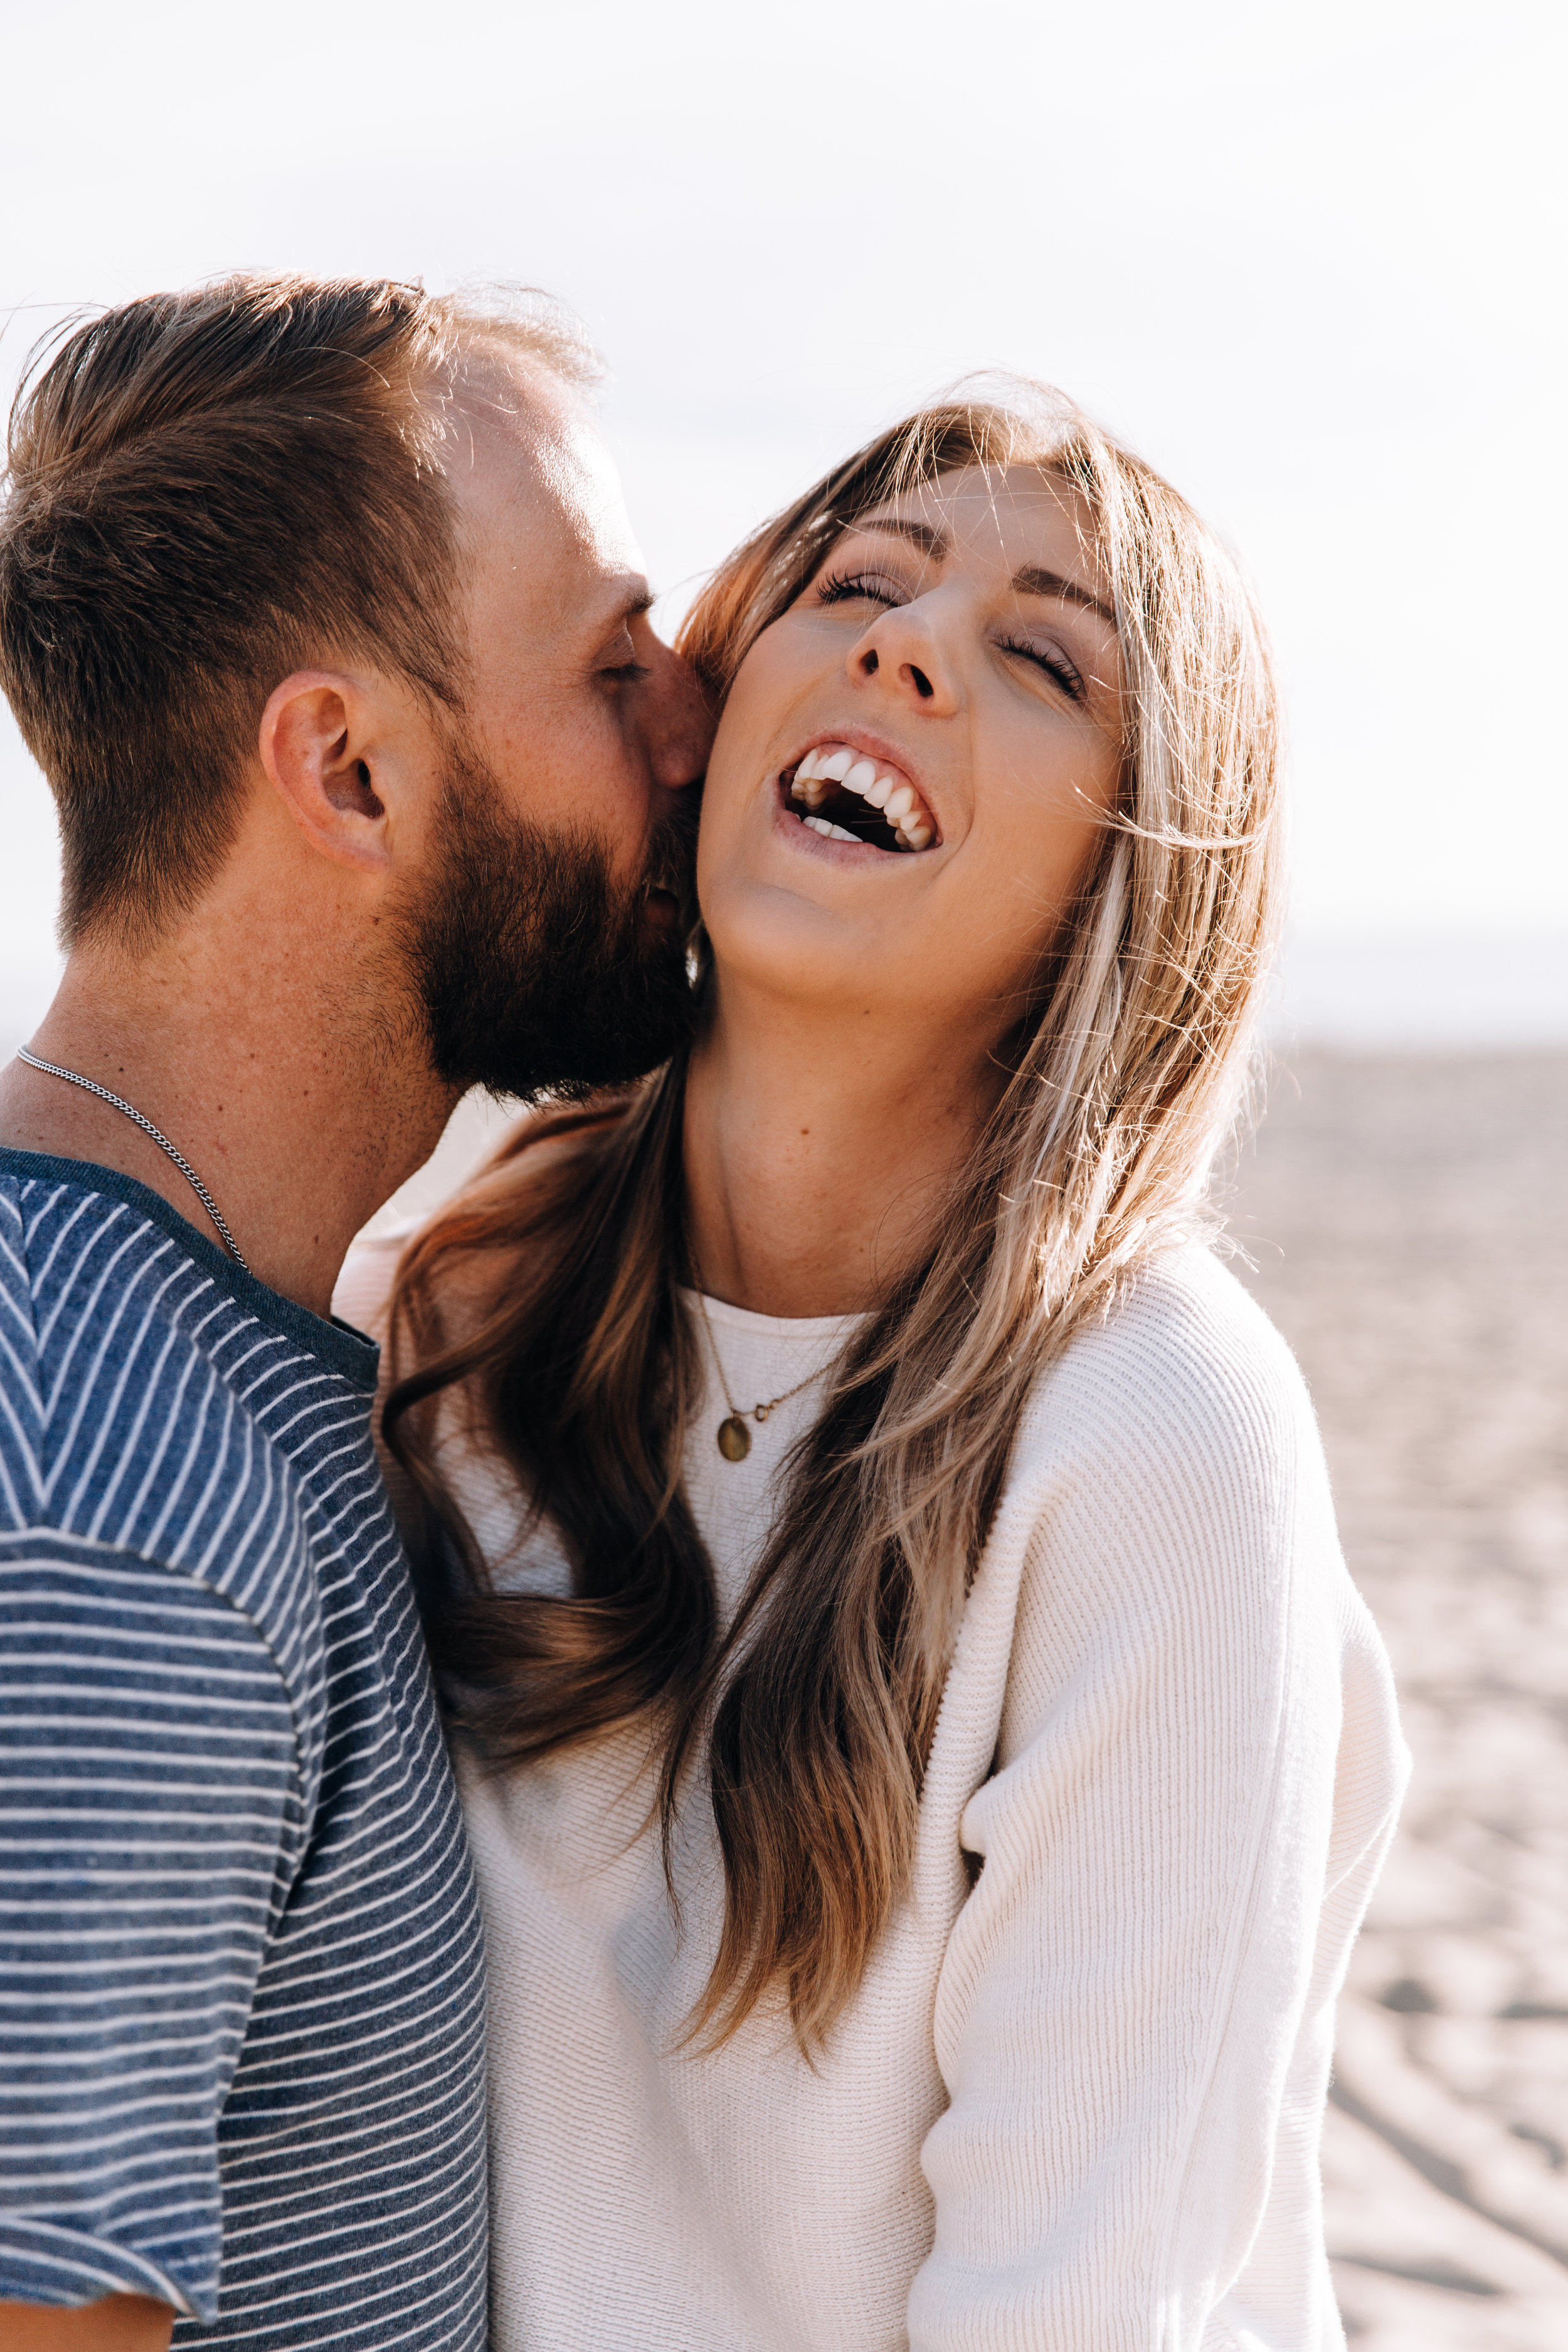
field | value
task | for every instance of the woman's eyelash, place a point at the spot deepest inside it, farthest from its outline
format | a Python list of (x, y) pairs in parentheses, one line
[(1054, 665), (838, 585)]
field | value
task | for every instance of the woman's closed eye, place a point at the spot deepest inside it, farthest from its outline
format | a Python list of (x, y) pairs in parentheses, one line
[(841, 587), (1052, 660)]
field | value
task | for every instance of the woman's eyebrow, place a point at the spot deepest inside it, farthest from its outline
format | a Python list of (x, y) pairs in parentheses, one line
[(918, 534), (1034, 580)]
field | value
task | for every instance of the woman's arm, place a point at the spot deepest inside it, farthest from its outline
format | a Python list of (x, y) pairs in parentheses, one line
[(1135, 2018)]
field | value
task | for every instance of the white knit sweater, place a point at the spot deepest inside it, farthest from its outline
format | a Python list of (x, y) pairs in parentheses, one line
[(1075, 2107)]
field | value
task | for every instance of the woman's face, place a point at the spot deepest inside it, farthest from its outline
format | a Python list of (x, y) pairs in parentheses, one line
[(952, 667)]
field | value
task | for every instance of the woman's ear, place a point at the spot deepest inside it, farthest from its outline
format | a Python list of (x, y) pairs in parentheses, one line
[(317, 743)]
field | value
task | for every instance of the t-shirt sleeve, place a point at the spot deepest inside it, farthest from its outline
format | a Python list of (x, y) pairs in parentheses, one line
[(1125, 1996), (150, 1821)]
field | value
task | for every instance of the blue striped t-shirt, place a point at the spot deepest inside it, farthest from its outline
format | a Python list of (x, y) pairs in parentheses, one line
[(241, 2005)]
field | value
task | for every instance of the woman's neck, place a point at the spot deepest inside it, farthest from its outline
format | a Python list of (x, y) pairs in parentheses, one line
[(820, 1153)]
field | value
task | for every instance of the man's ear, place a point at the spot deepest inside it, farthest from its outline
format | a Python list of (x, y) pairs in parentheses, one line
[(320, 740)]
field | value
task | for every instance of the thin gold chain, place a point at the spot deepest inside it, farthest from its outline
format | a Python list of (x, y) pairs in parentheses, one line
[(758, 1412)]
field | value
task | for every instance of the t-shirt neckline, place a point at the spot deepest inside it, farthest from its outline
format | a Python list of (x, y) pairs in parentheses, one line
[(778, 1327), (337, 1345)]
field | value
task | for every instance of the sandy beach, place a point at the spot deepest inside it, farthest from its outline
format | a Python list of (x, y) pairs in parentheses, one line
[(1408, 1220)]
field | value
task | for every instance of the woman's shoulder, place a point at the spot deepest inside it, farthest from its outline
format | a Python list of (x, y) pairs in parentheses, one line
[(466, 1285), (1168, 1525), (1184, 1358), (363, 1291), (1169, 1461), (1167, 1518)]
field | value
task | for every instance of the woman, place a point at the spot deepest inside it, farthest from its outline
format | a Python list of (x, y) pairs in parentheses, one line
[(924, 1758)]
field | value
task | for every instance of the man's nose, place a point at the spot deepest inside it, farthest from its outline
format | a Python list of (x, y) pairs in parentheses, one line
[(679, 724)]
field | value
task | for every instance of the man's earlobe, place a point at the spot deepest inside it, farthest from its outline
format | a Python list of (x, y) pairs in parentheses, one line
[(313, 746)]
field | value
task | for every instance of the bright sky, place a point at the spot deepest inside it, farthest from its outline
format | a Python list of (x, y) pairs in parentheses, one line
[(1309, 259)]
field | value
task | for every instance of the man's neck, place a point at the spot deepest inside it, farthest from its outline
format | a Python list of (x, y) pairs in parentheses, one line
[(274, 1082)]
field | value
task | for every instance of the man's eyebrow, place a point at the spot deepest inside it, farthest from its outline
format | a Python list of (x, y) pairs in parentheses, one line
[(1034, 580), (627, 602)]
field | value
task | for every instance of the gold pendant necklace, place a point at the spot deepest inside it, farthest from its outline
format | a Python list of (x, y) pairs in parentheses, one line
[(734, 1439)]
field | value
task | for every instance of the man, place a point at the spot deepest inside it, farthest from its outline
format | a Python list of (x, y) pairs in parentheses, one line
[(320, 611)]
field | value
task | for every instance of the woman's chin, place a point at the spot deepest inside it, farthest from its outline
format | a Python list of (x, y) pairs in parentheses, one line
[(799, 960)]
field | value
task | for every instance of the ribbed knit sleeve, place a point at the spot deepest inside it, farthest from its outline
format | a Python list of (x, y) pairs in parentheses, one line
[(1133, 2018)]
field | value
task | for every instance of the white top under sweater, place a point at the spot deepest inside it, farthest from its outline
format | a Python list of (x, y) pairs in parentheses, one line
[(1078, 2108)]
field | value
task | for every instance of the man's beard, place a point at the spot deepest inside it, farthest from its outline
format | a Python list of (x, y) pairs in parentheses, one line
[(534, 970)]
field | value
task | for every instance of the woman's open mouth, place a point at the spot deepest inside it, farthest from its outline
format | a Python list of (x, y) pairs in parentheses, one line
[(846, 795)]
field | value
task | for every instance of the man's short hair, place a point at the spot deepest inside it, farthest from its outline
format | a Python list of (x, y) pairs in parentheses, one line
[(204, 491)]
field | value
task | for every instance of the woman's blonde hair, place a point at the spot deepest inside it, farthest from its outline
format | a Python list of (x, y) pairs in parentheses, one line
[(814, 1710)]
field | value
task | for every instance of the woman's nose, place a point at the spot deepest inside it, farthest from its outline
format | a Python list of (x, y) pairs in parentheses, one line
[(902, 650)]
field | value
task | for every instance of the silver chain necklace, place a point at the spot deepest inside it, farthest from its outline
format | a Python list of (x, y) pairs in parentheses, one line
[(162, 1140), (733, 1437)]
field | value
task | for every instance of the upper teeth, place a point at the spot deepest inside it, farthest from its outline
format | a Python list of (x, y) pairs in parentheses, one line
[(834, 763)]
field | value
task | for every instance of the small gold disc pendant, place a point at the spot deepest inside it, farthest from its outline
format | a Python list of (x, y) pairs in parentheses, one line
[(734, 1438)]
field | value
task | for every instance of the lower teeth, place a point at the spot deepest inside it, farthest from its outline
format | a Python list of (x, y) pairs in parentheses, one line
[(830, 832)]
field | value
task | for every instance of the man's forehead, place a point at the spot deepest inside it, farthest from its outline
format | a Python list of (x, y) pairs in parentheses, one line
[(524, 453), (549, 551)]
